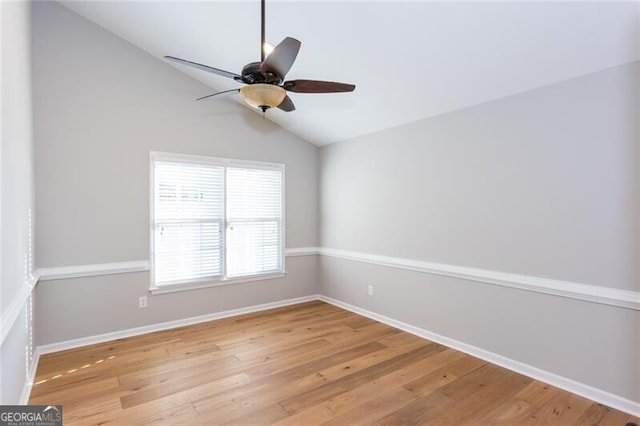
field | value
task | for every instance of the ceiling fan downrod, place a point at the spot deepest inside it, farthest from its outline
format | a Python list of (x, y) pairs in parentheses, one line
[(264, 82), (262, 31)]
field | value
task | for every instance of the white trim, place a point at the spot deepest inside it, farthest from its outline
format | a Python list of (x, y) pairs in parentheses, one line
[(28, 385), (553, 379), (106, 337), (302, 251), (215, 161), (76, 271), (283, 222), (226, 165), (152, 191), (586, 292), (12, 312), (215, 283)]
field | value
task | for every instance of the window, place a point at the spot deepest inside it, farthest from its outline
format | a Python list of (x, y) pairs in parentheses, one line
[(214, 221)]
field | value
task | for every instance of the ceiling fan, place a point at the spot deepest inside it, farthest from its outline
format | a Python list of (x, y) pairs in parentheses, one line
[(265, 85)]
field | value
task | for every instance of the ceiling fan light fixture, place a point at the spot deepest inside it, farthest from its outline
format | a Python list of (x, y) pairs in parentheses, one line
[(263, 96), (267, 48), (266, 86)]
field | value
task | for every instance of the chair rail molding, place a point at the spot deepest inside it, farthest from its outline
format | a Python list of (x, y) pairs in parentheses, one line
[(91, 270), (587, 292), (12, 312)]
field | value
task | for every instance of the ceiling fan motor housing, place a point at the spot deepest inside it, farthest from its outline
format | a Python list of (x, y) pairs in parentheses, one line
[(265, 86), (252, 73)]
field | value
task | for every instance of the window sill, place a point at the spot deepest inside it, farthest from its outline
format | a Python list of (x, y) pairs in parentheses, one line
[(215, 283)]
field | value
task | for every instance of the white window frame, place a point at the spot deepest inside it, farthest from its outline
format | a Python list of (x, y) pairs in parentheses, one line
[(224, 280)]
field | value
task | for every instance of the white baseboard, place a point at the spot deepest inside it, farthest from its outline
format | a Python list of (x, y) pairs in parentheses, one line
[(28, 385), (553, 379), (589, 392), (106, 337)]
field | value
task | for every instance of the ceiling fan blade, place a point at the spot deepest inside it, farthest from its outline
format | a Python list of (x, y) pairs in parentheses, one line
[(223, 73), (280, 60), (287, 105), (218, 93), (315, 86)]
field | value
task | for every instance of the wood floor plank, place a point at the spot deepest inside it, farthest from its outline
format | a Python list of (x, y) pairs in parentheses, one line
[(184, 397), (400, 339), (354, 396), (155, 374), (152, 344), (470, 409), (598, 414), (269, 368), (381, 405), (311, 363), (245, 401), (84, 371), (377, 386), (164, 410), (356, 379), (180, 383), (92, 413), (295, 380), (298, 374), (338, 371), (290, 351), (266, 416), (77, 393), (563, 408), (435, 380), (522, 404), (437, 402)]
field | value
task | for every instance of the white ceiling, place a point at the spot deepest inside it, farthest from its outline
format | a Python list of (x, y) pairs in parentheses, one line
[(409, 59)]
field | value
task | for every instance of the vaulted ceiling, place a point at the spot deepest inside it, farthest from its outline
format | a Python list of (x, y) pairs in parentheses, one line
[(409, 59)]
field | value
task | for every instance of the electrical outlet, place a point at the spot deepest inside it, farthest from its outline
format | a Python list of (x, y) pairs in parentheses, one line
[(370, 290), (142, 302)]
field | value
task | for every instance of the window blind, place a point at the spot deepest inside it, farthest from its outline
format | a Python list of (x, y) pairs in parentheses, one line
[(188, 222), (215, 219), (254, 216)]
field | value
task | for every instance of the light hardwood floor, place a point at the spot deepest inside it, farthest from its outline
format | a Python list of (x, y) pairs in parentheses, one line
[(305, 364)]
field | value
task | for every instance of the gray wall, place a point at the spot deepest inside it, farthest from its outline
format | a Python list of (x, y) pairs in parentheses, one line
[(82, 307), (543, 184), (16, 199), (101, 105)]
